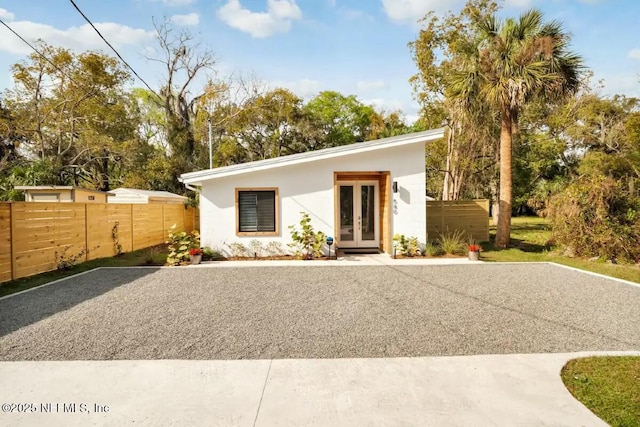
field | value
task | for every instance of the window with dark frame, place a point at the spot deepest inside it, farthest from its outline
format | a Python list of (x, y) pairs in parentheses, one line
[(256, 211)]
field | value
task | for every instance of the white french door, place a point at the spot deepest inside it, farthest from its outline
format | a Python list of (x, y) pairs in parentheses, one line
[(359, 213)]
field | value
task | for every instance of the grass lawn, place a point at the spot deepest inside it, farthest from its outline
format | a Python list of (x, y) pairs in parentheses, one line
[(529, 242), (608, 386), (156, 255)]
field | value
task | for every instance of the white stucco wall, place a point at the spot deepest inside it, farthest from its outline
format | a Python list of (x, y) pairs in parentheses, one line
[(309, 187)]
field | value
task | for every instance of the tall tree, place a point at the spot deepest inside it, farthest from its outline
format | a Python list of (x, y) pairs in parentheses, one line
[(344, 119), (74, 114), (507, 65), (184, 59), (470, 151)]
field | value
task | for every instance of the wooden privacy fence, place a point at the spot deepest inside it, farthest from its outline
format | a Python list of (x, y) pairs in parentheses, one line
[(468, 216), (34, 237)]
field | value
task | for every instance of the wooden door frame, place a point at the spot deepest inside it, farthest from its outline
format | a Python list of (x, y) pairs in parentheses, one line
[(385, 211)]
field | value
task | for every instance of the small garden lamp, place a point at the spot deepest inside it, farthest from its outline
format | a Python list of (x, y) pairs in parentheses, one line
[(329, 243)]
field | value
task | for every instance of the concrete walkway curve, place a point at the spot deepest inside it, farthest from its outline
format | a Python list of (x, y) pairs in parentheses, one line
[(430, 391)]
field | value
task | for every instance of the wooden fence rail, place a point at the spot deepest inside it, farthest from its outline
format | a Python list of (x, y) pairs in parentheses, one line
[(35, 236), (468, 216)]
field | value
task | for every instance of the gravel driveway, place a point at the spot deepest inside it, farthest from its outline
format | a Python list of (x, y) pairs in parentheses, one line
[(320, 312)]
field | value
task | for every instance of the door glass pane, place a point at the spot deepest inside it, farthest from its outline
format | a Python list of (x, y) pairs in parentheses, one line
[(346, 213), (368, 212)]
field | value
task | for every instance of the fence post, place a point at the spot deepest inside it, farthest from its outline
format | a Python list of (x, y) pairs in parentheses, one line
[(86, 232), (132, 227), (12, 240)]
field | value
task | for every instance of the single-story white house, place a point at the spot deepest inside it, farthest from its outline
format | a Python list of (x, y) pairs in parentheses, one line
[(133, 195), (360, 194)]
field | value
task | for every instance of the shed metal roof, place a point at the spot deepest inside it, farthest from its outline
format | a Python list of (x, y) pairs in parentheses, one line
[(148, 193), (196, 178)]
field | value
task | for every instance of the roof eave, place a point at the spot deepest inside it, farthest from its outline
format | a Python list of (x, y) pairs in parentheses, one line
[(196, 178)]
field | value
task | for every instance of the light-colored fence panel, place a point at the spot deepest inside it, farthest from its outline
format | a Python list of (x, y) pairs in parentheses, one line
[(174, 214), (468, 216), (44, 234), (148, 221), (37, 237), (108, 225), (5, 242)]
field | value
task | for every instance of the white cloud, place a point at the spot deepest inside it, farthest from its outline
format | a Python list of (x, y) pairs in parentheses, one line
[(518, 4), (176, 2), (304, 88), (189, 20), (76, 38), (6, 15), (634, 54), (410, 11), (277, 18), (371, 85)]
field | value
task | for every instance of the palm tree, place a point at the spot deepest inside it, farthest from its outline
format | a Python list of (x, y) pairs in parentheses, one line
[(507, 65)]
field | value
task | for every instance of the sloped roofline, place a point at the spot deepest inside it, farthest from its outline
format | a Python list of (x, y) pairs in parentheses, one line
[(196, 178)]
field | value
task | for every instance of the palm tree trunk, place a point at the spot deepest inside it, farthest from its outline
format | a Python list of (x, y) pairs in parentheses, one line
[(504, 215)]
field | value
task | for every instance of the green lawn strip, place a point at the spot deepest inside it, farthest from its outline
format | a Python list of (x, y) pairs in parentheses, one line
[(608, 386), (156, 255), (529, 241)]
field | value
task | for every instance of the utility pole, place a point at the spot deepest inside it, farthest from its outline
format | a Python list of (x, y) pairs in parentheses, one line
[(210, 145)]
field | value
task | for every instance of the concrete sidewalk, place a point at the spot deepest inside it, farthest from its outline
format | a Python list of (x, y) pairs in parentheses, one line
[(431, 391)]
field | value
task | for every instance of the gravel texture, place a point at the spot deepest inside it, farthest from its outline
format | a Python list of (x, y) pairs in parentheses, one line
[(320, 312)]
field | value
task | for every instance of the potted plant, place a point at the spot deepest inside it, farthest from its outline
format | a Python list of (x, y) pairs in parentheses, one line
[(196, 255), (474, 252)]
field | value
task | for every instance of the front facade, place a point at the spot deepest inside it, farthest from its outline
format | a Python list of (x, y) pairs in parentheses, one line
[(58, 193), (361, 195)]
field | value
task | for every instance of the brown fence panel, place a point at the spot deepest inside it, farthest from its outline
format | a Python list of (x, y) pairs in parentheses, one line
[(37, 237), (468, 216), (5, 242), (148, 226), (45, 234), (107, 226), (174, 214)]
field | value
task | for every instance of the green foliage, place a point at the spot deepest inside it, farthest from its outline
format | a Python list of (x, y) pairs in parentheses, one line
[(596, 216), (307, 242), (179, 244), (406, 246), (453, 243), (209, 254), (433, 249), (609, 386), (344, 119)]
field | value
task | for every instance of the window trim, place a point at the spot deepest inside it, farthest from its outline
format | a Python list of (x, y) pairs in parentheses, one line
[(277, 212)]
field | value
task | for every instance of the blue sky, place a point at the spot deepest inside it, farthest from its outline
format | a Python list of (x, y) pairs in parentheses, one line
[(352, 46)]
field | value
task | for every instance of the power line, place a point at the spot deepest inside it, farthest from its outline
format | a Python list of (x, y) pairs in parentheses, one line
[(42, 55), (113, 49)]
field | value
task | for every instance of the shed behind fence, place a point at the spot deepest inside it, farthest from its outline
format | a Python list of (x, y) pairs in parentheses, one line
[(36, 237)]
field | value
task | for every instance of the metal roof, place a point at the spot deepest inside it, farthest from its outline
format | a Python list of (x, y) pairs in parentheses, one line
[(57, 187), (196, 178), (148, 193)]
